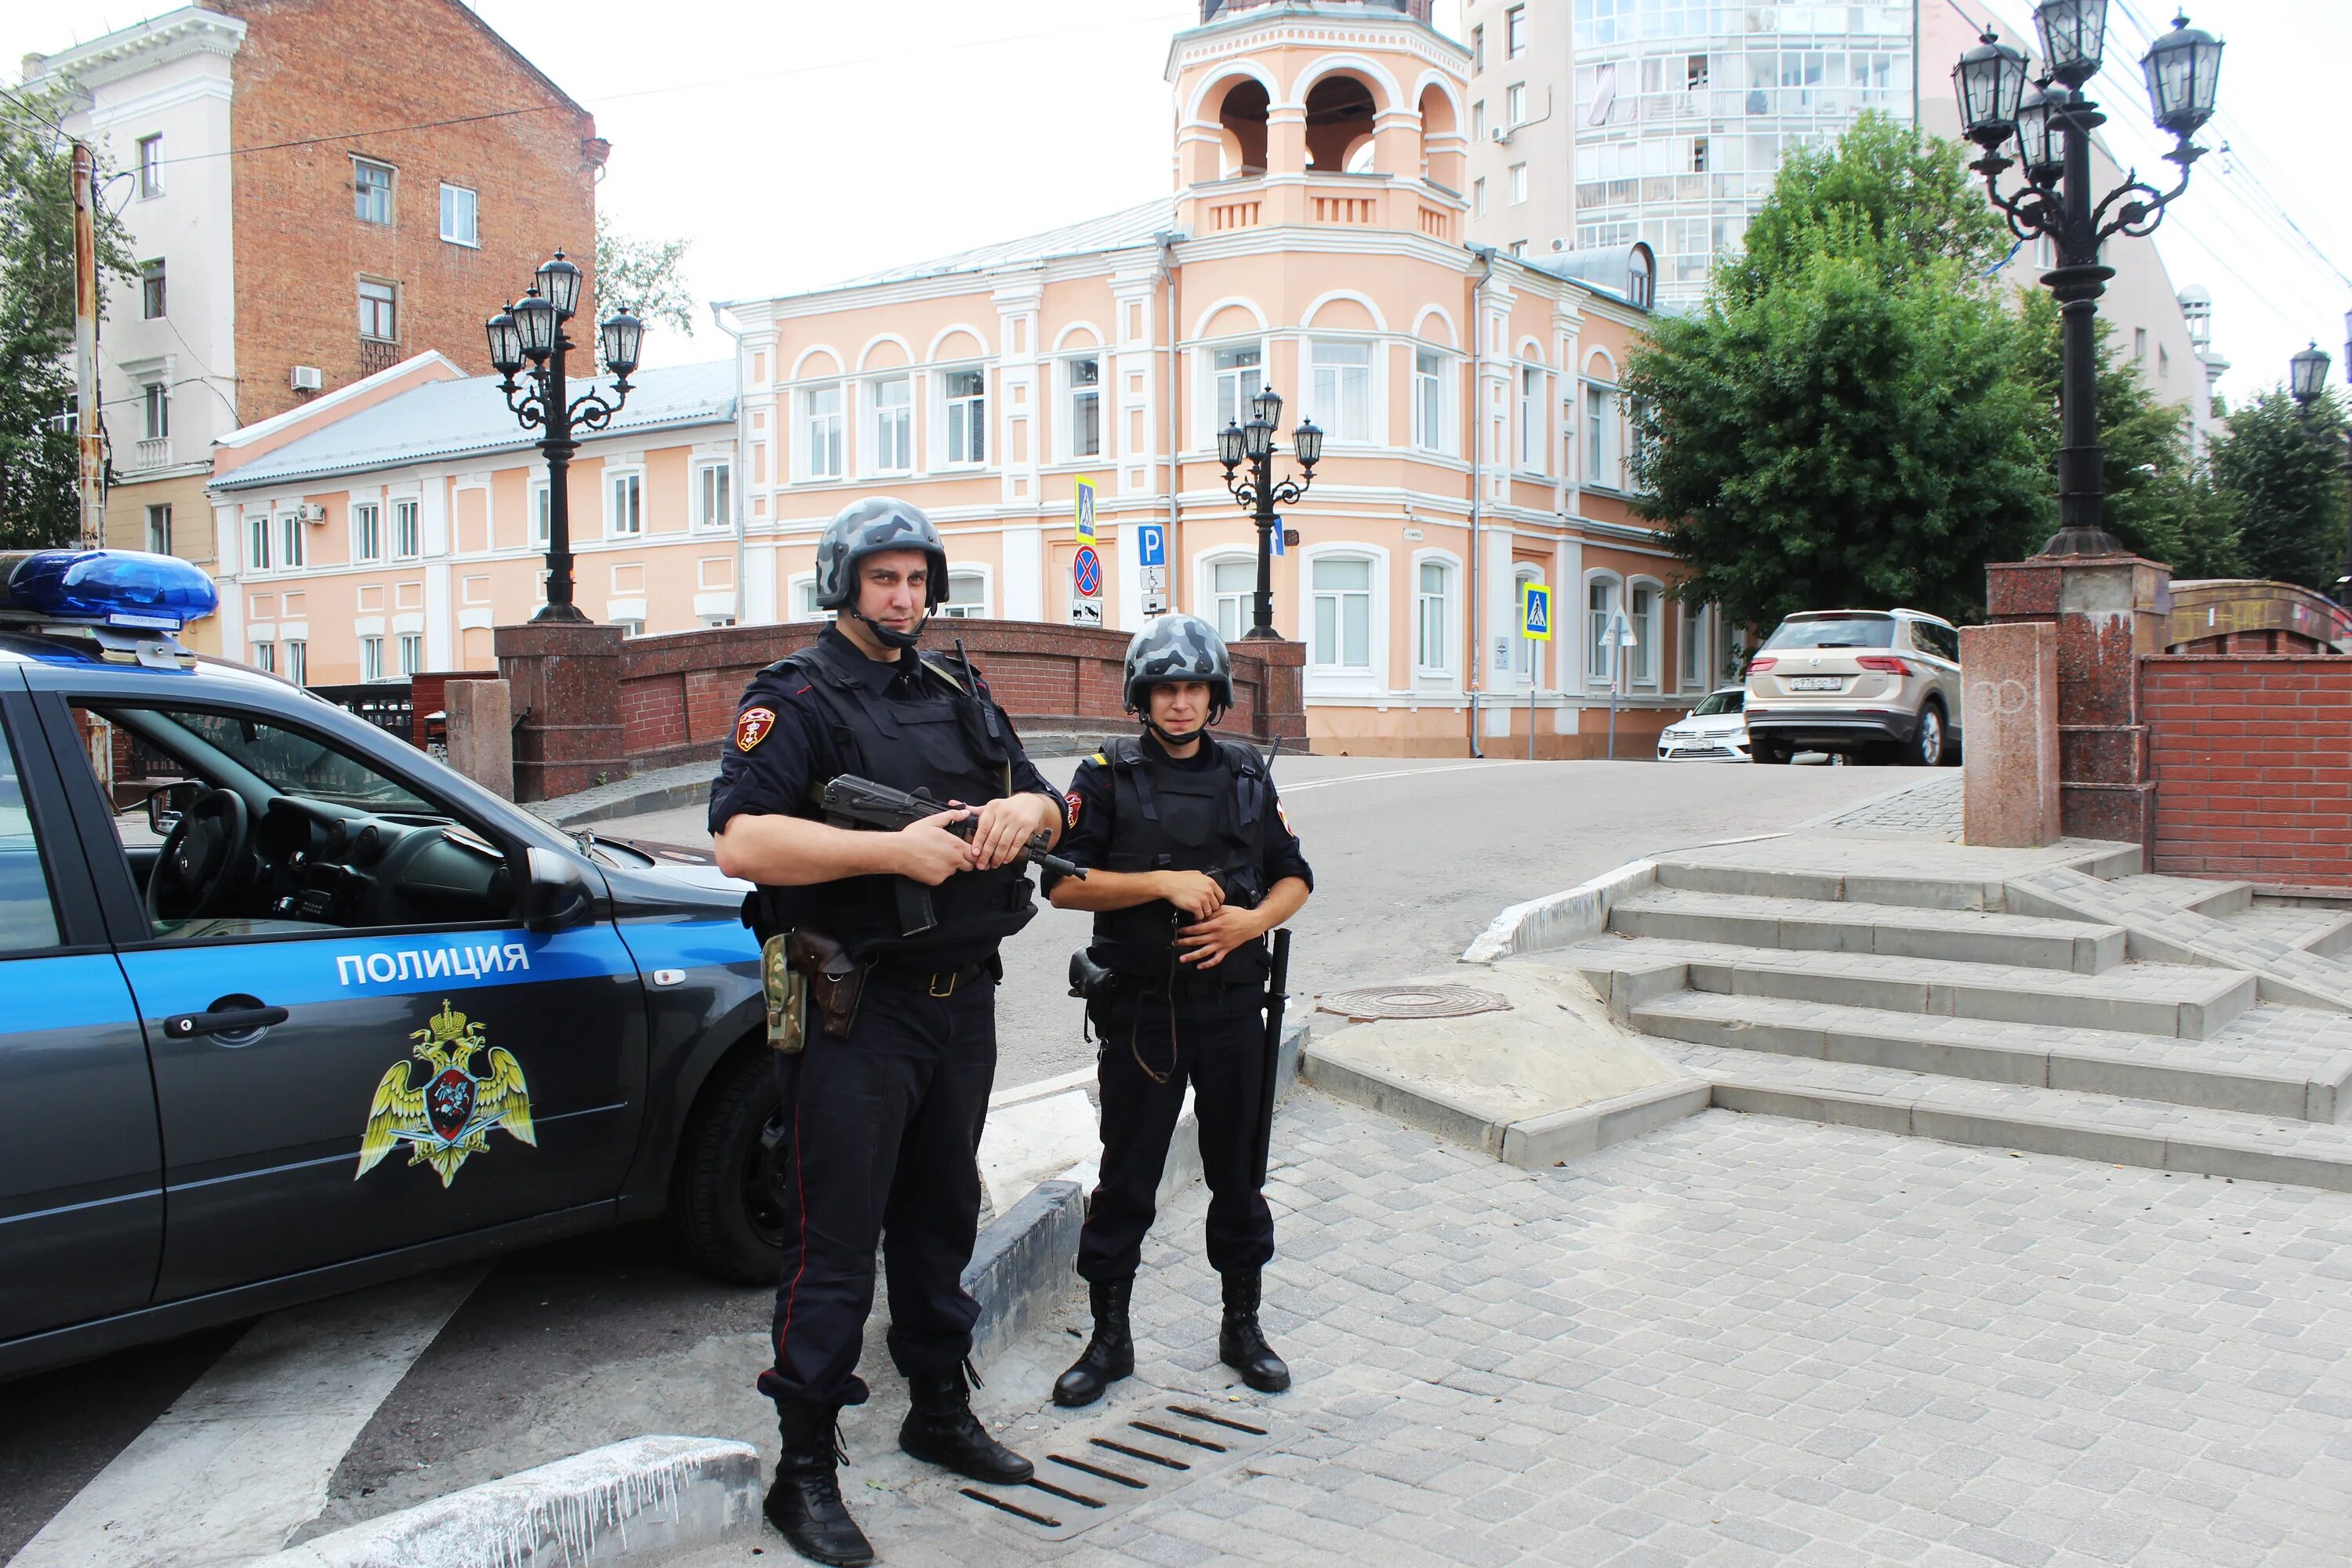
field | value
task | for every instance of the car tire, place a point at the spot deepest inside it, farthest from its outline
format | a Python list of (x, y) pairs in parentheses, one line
[(726, 1207), (1773, 751), (1928, 742)]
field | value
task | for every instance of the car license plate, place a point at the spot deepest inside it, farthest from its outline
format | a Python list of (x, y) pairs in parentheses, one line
[(1816, 682)]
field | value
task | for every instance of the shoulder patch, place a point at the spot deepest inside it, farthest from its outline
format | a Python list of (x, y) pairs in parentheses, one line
[(1101, 760), (752, 726), (1071, 801)]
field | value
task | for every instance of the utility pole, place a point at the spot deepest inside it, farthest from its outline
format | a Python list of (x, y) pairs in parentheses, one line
[(89, 441)]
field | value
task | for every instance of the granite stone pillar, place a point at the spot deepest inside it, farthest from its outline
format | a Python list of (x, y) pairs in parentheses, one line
[(481, 731), (2010, 758), (2109, 610), (565, 681)]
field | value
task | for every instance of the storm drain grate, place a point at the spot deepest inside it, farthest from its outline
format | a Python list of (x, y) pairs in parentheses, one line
[(1087, 1477), (1371, 1003)]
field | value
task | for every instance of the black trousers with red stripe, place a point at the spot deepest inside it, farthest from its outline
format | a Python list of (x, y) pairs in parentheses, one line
[(882, 1133)]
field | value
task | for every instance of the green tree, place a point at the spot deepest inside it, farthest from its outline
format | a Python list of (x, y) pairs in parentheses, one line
[(2282, 469), (1842, 423), (645, 275), (38, 471)]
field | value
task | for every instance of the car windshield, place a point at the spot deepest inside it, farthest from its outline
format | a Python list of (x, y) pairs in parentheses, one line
[(1718, 702), (1834, 631)]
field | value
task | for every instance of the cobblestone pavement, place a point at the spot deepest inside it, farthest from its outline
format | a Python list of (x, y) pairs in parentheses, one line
[(1741, 1340), (1931, 806)]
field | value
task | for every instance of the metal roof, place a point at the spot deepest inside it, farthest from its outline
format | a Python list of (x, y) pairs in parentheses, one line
[(470, 418), (1136, 226)]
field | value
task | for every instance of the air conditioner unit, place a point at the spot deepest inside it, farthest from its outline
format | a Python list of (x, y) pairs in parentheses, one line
[(311, 512), (1502, 135), (308, 378)]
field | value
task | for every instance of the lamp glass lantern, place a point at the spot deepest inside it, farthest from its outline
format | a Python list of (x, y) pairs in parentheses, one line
[(2306, 373), (1257, 440), (620, 337), (1267, 406), (560, 280), (2073, 37), (1230, 448), (1988, 81), (536, 324), (2183, 69), (2039, 144), (1308, 442), (506, 342)]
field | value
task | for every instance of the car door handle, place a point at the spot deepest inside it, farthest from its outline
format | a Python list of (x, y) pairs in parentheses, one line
[(226, 1021)]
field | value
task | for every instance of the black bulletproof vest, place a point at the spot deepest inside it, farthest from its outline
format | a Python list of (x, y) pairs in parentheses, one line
[(1165, 818), (946, 741)]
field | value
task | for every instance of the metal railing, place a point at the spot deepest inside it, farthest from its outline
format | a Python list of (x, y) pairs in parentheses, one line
[(389, 705)]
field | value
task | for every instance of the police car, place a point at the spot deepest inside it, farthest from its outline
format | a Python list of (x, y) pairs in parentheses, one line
[(287, 1008)]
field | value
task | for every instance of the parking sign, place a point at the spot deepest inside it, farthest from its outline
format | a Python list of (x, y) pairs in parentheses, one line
[(1152, 544)]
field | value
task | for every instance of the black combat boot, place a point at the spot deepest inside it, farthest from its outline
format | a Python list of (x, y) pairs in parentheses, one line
[(1241, 1344), (806, 1502), (942, 1430), (1110, 1355)]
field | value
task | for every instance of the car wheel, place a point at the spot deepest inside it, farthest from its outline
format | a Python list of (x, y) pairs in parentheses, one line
[(1926, 747), (1774, 751), (726, 1200)]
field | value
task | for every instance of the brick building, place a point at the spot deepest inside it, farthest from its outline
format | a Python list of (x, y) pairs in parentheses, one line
[(307, 208)]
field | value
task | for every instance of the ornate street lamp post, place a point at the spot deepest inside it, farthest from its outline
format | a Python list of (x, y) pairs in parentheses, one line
[(532, 329), (1253, 444), (2306, 379), (2050, 130)]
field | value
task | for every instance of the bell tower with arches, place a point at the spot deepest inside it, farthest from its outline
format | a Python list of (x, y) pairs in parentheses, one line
[(1324, 114)]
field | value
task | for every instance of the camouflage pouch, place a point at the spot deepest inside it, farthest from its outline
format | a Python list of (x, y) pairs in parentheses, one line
[(787, 991)]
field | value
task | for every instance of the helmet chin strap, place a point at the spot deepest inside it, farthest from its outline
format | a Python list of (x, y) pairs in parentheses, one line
[(892, 638), (1166, 738)]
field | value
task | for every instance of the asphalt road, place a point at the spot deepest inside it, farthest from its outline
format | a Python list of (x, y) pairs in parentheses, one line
[(568, 1346)]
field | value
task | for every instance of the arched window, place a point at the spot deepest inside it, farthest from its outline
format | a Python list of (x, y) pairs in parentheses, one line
[(1603, 593), (1693, 666), (1339, 125), (1433, 616), (803, 598), (1243, 116), (1229, 584), (967, 593), (1342, 632), (1644, 601)]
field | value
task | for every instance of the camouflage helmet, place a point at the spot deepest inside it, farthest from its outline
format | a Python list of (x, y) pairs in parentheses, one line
[(868, 527), (1175, 649)]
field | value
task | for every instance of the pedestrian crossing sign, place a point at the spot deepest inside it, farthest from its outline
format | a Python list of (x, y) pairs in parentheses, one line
[(1535, 613), (1086, 510)]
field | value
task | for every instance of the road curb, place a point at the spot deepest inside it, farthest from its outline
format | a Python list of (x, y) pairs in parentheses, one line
[(1560, 919), (648, 1494)]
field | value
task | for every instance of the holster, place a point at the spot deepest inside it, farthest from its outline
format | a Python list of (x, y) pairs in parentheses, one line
[(835, 979)]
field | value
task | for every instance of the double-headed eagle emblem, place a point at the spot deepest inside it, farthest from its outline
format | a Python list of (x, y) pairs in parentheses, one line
[(449, 1116)]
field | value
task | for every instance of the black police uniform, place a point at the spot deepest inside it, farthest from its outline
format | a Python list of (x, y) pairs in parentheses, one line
[(1132, 808), (883, 1127)]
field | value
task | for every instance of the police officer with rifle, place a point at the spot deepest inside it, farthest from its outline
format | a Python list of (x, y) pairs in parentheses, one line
[(880, 953), (1193, 863)]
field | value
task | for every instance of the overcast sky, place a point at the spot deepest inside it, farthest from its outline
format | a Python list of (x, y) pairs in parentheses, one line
[(800, 143)]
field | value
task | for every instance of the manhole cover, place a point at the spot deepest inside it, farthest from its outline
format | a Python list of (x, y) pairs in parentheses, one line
[(1373, 1003)]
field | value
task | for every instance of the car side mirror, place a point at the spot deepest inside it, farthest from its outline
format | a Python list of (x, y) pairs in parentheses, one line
[(166, 806), (557, 896)]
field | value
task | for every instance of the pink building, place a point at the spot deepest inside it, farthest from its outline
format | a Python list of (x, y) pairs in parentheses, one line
[(1475, 436)]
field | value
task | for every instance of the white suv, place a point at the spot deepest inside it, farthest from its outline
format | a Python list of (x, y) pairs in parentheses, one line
[(1877, 685)]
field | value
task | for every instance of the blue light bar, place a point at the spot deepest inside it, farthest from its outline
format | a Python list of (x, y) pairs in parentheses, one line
[(106, 588)]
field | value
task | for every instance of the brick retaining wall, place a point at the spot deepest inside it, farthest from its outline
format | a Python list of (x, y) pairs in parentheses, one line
[(2252, 762)]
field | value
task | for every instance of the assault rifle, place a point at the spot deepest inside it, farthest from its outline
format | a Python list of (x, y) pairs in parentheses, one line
[(849, 801)]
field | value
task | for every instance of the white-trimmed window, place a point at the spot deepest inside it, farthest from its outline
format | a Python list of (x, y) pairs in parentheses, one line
[(542, 513), (823, 431), (894, 425), (1432, 431), (264, 656), (1233, 588), (803, 594), (1342, 587), (256, 543), (967, 596), (1526, 655), (1433, 618), (298, 661), (1692, 648), (1478, 196), (631, 626), (1339, 388), (153, 301), (1599, 614), (1238, 372), (1518, 185), (714, 498), (1085, 382), (371, 659), (1514, 32), (1535, 429), (966, 394), (411, 652), (367, 531), (159, 529), (407, 531), (151, 167), (1601, 448), (1642, 616), (625, 506), (460, 217), (370, 191), (379, 310), (289, 535), (155, 405), (1514, 105)]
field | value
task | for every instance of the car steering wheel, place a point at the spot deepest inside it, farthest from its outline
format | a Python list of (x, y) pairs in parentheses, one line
[(200, 857)]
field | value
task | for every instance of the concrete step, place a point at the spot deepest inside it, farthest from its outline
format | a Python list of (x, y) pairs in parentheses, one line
[(2107, 1128), (2290, 1062), (2204, 897), (1799, 868), (2188, 1001), (2318, 929), (2160, 930), (1894, 931)]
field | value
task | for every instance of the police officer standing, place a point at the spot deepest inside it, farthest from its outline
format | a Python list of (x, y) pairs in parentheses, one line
[(1192, 863), (881, 1126)]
